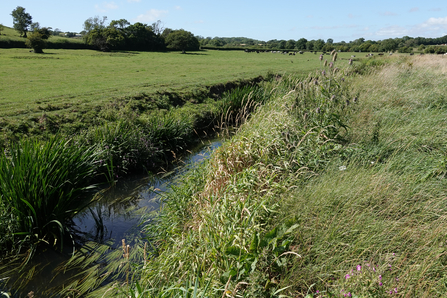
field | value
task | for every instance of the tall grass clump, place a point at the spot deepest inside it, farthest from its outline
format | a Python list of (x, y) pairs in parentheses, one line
[(43, 185), (373, 224)]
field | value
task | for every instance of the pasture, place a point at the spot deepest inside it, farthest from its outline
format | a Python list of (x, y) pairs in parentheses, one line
[(73, 80)]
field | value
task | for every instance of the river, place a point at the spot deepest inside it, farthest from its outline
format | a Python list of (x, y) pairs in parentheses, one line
[(114, 216)]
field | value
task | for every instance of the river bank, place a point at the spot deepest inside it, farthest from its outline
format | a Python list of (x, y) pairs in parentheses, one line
[(334, 188)]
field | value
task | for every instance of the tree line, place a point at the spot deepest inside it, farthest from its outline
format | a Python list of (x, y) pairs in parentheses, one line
[(404, 44), (116, 35)]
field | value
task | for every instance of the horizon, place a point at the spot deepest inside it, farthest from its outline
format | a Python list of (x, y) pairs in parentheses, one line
[(255, 20)]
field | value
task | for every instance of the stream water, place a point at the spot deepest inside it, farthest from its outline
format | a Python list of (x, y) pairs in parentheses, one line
[(115, 216)]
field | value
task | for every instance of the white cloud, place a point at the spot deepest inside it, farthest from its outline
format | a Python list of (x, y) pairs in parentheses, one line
[(106, 6), (392, 31), (151, 16), (388, 14), (433, 27)]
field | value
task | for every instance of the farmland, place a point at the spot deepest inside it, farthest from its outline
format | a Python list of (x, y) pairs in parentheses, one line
[(65, 79)]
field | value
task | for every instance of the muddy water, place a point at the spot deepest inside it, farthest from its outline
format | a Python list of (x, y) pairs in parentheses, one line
[(115, 216)]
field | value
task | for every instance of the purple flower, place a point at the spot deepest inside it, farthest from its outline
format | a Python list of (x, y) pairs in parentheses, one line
[(380, 283), (395, 290), (317, 292), (347, 276), (380, 277), (359, 268), (323, 72)]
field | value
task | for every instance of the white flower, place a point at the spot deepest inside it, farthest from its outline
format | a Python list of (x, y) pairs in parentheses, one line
[(342, 168)]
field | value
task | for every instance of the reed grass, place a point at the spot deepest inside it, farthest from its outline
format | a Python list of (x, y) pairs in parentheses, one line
[(43, 185)]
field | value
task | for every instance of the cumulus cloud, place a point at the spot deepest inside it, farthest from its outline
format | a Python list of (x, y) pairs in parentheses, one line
[(414, 9), (151, 16), (106, 6)]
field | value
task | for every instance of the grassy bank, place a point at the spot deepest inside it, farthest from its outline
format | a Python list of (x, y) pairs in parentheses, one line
[(336, 188)]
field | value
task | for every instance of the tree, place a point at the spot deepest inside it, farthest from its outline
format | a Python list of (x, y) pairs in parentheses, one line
[(1, 28), (330, 41), (36, 41), (182, 40), (290, 44), (301, 44), (319, 44), (94, 23), (21, 20)]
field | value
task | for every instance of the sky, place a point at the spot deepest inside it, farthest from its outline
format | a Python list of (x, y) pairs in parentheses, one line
[(261, 19)]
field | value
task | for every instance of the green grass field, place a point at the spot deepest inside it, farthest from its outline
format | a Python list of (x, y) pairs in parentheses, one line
[(65, 79)]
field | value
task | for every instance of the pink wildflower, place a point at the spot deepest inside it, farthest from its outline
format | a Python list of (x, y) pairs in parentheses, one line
[(359, 268)]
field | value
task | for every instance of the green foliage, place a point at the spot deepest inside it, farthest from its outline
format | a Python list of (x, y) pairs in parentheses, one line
[(21, 20), (36, 41), (44, 184), (182, 40)]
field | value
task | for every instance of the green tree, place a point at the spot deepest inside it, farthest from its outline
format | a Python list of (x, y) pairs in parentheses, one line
[(182, 40), (290, 45), (36, 41), (21, 20), (301, 44), (319, 44)]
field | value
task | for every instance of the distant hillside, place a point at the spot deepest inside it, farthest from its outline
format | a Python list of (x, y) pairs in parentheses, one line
[(10, 38)]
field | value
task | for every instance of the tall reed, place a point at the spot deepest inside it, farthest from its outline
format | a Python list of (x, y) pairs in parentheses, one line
[(43, 184)]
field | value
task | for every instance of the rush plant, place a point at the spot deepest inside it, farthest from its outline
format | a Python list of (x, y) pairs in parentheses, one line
[(44, 184)]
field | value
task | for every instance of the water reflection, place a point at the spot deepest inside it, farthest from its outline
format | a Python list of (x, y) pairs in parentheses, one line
[(117, 213)]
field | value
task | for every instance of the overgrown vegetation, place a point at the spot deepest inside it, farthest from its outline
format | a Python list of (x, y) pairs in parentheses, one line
[(335, 188)]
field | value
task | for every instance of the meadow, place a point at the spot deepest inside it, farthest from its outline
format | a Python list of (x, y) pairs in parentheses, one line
[(67, 80)]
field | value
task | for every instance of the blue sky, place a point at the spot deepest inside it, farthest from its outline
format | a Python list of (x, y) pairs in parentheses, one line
[(260, 19)]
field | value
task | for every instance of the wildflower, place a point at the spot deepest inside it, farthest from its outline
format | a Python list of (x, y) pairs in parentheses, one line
[(342, 79), (350, 62), (380, 277), (323, 73), (380, 283), (321, 57), (395, 290), (317, 292), (342, 168), (359, 268), (331, 64), (325, 63), (347, 276)]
